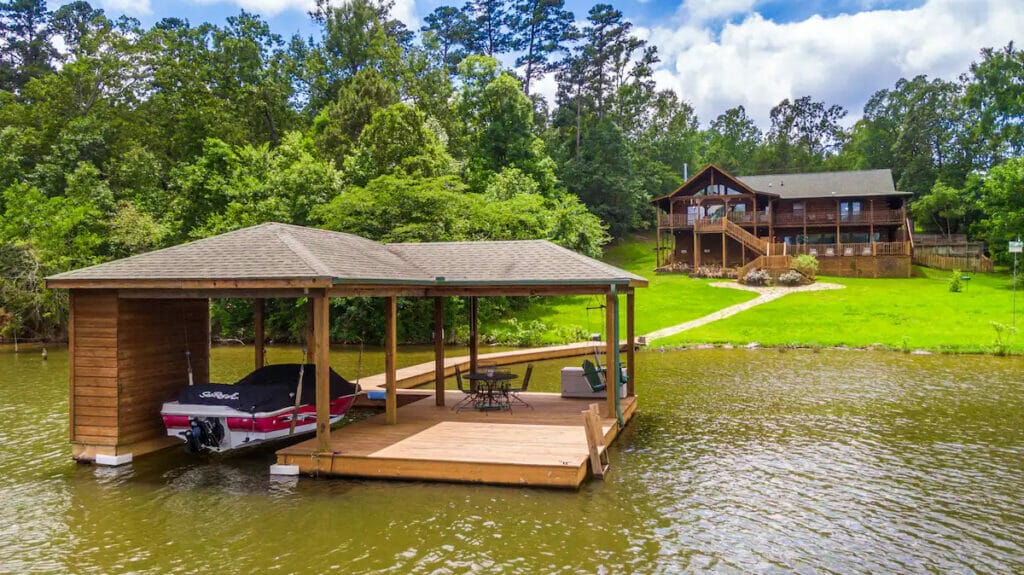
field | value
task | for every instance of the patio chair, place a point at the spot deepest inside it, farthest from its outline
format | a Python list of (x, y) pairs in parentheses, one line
[(866, 251), (592, 376), (470, 394), (830, 252), (813, 252), (513, 393), (847, 251)]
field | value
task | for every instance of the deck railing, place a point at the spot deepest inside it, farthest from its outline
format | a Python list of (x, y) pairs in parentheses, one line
[(813, 218), (691, 220), (826, 217), (840, 250)]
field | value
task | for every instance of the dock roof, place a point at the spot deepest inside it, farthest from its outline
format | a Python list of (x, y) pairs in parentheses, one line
[(295, 256)]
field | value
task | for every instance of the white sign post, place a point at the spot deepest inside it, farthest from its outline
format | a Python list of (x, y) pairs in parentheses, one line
[(1016, 247)]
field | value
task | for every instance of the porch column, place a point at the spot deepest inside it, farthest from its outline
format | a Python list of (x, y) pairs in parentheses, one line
[(611, 350), (871, 226), (630, 343), (321, 335), (439, 351), (839, 247), (474, 336), (258, 313), (696, 249), (390, 351)]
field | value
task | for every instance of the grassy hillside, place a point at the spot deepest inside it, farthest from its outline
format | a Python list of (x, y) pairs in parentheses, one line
[(913, 313), (670, 299)]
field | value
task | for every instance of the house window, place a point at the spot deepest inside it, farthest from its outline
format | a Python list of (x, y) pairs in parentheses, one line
[(798, 207), (849, 211)]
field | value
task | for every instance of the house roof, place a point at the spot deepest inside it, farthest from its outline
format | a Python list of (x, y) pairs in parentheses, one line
[(310, 256), (859, 183)]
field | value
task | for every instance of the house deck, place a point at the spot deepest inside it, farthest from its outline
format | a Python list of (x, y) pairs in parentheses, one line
[(545, 446)]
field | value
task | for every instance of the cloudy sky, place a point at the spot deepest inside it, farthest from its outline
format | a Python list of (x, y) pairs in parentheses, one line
[(721, 53)]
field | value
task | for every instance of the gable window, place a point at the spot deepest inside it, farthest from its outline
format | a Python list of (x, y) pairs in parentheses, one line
[(849, 211)]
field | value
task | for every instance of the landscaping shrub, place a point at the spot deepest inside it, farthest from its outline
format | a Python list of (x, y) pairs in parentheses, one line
[(807, 265), (954, 282), (757, 278), (712, 272), (791, 278)]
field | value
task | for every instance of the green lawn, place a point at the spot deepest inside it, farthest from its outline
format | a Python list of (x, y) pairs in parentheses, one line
[(919, 312), (670, 298)]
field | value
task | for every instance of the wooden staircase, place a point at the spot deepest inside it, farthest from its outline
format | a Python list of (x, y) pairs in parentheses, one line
[(744, 237)]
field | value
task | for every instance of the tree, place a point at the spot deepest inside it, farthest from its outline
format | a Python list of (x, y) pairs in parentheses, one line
[(540, 29), (449, 32), (1003, 204), (608, 51), (398, 140), (803, 134), (993, 97), (25, 48), (490, 21), (731, 141), (944, 209)]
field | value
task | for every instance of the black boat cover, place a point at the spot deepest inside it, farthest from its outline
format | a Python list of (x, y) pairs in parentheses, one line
[(267, 389)]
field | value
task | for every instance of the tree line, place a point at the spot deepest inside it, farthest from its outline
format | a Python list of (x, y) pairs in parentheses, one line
[(117, 139)]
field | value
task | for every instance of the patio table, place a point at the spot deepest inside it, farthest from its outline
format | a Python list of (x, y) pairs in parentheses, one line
[(492, 386)]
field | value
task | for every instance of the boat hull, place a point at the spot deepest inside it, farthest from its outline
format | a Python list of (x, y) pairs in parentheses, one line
[(236, 429)]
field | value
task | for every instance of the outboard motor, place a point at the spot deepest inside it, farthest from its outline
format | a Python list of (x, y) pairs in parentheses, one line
[(203, 432)]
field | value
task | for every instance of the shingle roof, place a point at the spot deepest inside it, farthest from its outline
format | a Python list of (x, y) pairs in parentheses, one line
[(280, 251), (523, 261), (825, 184)]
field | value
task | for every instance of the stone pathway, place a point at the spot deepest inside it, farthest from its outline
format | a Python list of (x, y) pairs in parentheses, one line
[(766, 294)]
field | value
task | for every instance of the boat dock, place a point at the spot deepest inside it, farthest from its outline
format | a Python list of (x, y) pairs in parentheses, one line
[(542, 447)]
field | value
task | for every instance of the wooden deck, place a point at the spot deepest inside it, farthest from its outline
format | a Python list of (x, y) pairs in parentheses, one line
[(544, 446)]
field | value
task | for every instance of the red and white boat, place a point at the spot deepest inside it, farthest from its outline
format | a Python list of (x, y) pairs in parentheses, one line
[(257, 408)]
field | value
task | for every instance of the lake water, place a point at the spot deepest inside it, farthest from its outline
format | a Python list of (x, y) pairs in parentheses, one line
[(738, 461)]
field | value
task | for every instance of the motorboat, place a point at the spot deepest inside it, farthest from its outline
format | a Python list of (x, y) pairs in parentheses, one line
[(258, 408)]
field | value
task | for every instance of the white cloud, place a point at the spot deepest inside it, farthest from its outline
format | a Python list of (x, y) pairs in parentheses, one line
[(842, 60), (266, 7), (704, 10), (404, 10), (131, 7)]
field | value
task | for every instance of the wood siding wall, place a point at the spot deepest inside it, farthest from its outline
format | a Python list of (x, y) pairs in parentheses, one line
[(127, 357), (151, 364), (93, 367)]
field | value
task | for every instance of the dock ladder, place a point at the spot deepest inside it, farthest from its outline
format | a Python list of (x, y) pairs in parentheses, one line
[(599, 463)]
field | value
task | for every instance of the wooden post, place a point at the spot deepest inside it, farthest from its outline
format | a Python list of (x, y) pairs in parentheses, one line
[(611, 349), (839, 216), (258, 313), (657, 249), (630, 343), (755, 214), (439, 351), (310, 331), (390, 351), (474, 336), (696, 248), (322, 336)]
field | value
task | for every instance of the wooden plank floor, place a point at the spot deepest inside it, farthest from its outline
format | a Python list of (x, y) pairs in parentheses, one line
[(544, 446)]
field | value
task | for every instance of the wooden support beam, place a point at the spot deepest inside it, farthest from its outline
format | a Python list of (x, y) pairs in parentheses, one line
[(322, 336), (439, 351), (696, 249), (258, 330), (474, 335), (390, 353), (611, 349), (631, 343), (310, 330)]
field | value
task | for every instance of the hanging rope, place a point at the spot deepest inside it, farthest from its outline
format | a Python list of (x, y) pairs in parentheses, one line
[(188, 347)]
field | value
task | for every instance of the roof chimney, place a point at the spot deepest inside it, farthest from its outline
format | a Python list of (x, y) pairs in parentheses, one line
[(686, 172)]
